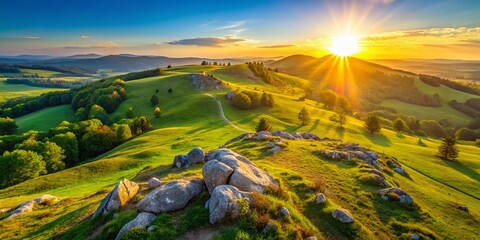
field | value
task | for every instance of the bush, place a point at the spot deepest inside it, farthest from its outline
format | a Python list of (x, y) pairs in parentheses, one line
[(400, 125), (433, 129), (329, 98), (7, 126), (157, 112), (140, 125), (467, 134), (372, 123), (263, 125), (136, 234), (242, 101), (111, 229), (268, 100)]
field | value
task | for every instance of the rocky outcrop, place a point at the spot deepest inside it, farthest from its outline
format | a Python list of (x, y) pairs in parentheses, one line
[(246, 176), (396, 194), (118, 197), (342, 215), (284, 212), (226, 203), (216, 173), (374, 174), (29, 205), (229, 95), (195, 155), (283, 134), (261, 136), (204, 82), (154, 182), (275, 149), (141, 221), (172, 196)]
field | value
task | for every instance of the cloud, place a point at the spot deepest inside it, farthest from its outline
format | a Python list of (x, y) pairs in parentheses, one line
[(84, 37), (232, 25), (208, 41), (460, 32), (277, 46), (30, 38)]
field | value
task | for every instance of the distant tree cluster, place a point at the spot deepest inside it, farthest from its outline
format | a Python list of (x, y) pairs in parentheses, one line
[(205, 63), (4, 68), (251, 100), (142, 74), (259, 70), (436, 81), (47, 82), (18, 107), (471, 107)]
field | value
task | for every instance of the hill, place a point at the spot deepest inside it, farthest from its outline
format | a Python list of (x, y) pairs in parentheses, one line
[(190, 118)]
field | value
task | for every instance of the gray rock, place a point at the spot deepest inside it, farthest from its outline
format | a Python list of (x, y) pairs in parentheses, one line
[(195, 155), (229, 95), (180, 161), (263, 135), (297, 136), (372, 155), (239, 138), (274, 150), (342, 215), (154, 182), (152, 228), (320, 198), (141, 221), (23, 208), (224, 203), (400, 170), (172, 196), (118, 197), (283, 134), (246, 175), (268, 227), (284, 212), (46, 199), (309, 135), (414, 236), (463, 208), (216, 173), (403, 196)]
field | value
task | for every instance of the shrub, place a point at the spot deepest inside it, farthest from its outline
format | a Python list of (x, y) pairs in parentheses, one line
[(136, 234), (111, 229), (7, 126), (129, 114), (154, 100), (372, 123), (268, 100), (242, 101), (157, 113), (433, 129), (329, 98), (467, 134), (400, 125), (263, 125), (140, 125), (370, 179)]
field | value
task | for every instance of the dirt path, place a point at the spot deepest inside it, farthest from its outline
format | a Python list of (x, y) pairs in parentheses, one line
[(222, 114)]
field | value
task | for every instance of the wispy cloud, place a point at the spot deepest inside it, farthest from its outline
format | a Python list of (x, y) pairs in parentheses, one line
[(460, 32), (277, 46), (208, 41), (232, 25), (30, 38), (84, 37)]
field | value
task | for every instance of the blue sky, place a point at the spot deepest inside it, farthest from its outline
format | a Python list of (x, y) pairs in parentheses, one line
[(217, 28)]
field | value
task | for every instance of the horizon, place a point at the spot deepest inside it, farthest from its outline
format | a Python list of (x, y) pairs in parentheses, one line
[(384, 29)]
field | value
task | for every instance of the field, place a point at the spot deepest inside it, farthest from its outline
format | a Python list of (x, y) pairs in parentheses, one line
[(8, 91), (190, 118), (45, 119)]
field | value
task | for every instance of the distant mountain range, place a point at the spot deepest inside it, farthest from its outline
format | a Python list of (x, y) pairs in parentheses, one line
[(118, 63)]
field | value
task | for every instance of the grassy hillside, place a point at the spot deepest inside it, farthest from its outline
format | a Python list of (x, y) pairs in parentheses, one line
[(8, 91), (45, 119), (190, 118)]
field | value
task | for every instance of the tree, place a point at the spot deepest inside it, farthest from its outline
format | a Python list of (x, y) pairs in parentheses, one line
[(81, 114), (399, 125), (51, 153), (343, 104), (204, 63), (122, 133), (97, 141), (263, 125), (129, 114), (170, 90), (268, 100), (18, 166), (339, 117), (68, 142), (448, 149), (242, 101), (169, 66), (328, 97), (7, 126), (229, 64), (157, 113), (154, 100), (140, 125), (97, 112), (372, 123), (304, 116), (467, 134)]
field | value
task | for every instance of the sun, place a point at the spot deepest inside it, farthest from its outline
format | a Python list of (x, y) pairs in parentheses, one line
[(344, 45)]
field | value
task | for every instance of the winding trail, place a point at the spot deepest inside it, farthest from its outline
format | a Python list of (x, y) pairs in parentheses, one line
[(222, 114)]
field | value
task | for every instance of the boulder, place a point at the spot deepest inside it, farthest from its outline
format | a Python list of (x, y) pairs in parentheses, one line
[(297, 136), (284, 212), (225, 203), (141, 221), (25, 207), (118, 197), (195, 155), (414, 236), (389, 193), (283, 134), (268, 227), (46, 199), (463, 208), (172, 196), (239, 138), (263, 135), (154, 182), (216, 173), (372, 155), (309, 135), (275, 149), (342, 215), (320, 198), (229, 95), (246, 175), (180, 161), (400, 170)]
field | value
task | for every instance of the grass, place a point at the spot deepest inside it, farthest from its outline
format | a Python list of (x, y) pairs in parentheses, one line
[(45, 119), (8, 91), (190, 119), (41, 73)]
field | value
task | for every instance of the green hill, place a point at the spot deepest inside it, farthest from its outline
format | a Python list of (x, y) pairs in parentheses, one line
[(190, 118)]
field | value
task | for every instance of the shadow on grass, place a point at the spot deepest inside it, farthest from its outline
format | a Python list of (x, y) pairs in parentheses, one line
[(400, 135), (457, 165), (378, 139), (340, 132), (314, 126), (388, 211)]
